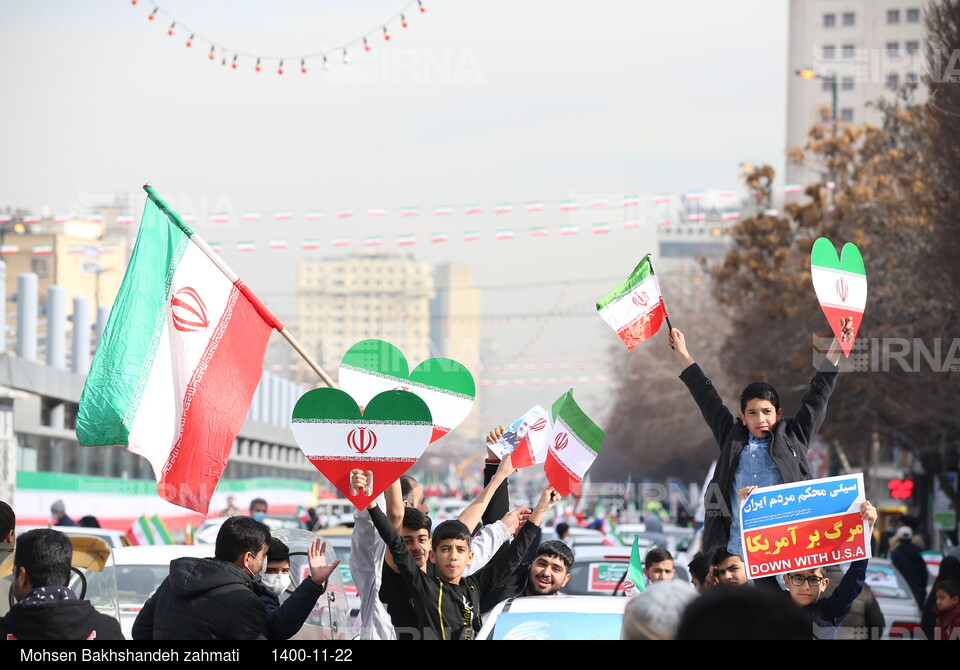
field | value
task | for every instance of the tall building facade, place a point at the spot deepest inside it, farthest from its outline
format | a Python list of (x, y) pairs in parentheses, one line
[(371, 294), (858, 52)]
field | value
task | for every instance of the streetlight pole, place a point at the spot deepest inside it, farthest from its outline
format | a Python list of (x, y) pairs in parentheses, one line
[(831, 78)]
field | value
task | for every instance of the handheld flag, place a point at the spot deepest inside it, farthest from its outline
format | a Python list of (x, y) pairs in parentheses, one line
[(635, 571), (527, 438), (841, 286), (574, 444), (179, 360), (635, 309), (148, 531)]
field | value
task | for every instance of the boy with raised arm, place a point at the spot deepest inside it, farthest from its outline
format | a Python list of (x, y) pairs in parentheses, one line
[(447, 605), (760, 447)]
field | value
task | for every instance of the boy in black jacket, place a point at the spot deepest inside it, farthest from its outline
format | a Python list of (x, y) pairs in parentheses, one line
[(447, 605), (760, 447)]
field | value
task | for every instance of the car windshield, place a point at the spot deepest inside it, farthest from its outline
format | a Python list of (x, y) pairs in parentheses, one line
[(557, 626), (134, 583)]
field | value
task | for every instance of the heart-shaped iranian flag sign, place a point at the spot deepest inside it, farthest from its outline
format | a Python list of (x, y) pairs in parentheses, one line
[(841, 285), (386, 439), (372, 366)]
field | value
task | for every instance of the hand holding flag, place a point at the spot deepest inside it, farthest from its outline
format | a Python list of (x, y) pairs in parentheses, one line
[(635, 308)]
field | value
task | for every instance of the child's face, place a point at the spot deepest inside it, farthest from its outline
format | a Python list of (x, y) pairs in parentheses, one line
[(451, 558), (805, 593), (418, 544), (760, 416), (945, 600)]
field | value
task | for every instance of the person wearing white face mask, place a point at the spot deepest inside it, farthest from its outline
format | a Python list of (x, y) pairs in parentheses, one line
[(284, 620), (212, 598)]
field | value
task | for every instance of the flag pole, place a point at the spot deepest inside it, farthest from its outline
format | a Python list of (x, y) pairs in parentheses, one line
[(236, 281), (667, 315)]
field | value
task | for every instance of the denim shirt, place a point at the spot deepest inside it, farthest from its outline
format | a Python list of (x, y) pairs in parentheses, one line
[(755, 468)]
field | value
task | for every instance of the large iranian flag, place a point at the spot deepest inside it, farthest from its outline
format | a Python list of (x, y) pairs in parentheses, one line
[(179, 360), (574, 445), (635, 309)]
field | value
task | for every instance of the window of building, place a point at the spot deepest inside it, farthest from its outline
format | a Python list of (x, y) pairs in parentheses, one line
[(40, 266), (893, 80), (829, 20), (828, 52), (846, 114), (893, 16), (893, 48), (826, 85), (849, 51), (849, 18), (913, 15), (846, 83), (912, 78), (912, 46)]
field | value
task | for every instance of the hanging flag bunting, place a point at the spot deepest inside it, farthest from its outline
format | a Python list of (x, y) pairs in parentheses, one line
[(373, 241), (310, 244), (573, 445), (121, 220), (313, 216), (599, 202), (568, 205), (439, 237), (250, 216), (600, 228), (370, 367), (694, 218), (9, 249), (539, 231), (282, 216), (535, 207), (695, 196), (340, 242), (216, 246), (504, 234), (730, 216), (246, 246), (410, 211), (42, 249), (569, 230), (108, 248), (75, 249), (376, 212), (633, 223), (471, 236), (179, 360), (793, 188), (219, 218), (840, 283), (384, 439), (661, 199), (635, 308), (189, 218), (344, 213), (631, 201), (443, 211), (278, 244), (407, 240), (503, 209), (474, 209), (728, 193), (92, 218)]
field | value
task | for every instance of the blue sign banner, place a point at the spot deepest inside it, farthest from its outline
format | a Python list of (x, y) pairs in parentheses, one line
[(802, 500)]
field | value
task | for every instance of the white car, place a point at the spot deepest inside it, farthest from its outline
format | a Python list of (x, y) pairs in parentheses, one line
[(556, 617), (113, 538)]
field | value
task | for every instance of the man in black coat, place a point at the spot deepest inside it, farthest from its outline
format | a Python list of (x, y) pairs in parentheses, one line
[(47, 609), (212, 598)]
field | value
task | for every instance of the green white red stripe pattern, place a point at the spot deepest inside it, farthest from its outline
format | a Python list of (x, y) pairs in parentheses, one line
[(145, 531), (841, 285), (574, 445), (179, 360), (635, 309)]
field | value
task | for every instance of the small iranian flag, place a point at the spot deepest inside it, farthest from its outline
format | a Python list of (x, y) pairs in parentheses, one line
[(9, 249), (188, 533), (373, 241), (568, 205), (407, 240), (573, 446), (696, 196), (664, 221), (93, 218), (471, 236), (730, 216), (179, 360), (599, 202), (633, 223), (376, 212), (600, 228), (661, 199), (108, 248), (474, 209), (535, 207), (189, 218), (410, 211), (793, 188), (302, 514), (532, 436), (635, 571), (42, 249), (216, 247), (728, 193), (121, 220), (443, 211), (246, 246), (344, 213), (539, 231), (569, 230), (63, 218), (340, 242), (505, 234), (699, 216), (313, 216), (278, 244), (219, 218), (440, 237), (635, 309), (250, 216), (282, 216), (310, 244), (146, 531), (631, 200), (503, 209)]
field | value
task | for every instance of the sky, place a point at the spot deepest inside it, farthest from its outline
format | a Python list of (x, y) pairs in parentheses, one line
[(492, 102)]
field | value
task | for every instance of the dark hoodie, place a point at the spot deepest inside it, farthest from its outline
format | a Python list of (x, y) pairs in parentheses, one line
[(55, 613), (203, 599)]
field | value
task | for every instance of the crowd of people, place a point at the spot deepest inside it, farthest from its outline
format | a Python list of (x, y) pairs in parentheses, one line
[(417, 581)]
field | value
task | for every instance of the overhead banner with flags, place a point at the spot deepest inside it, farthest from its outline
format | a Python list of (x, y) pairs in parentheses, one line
[(179, 360)]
